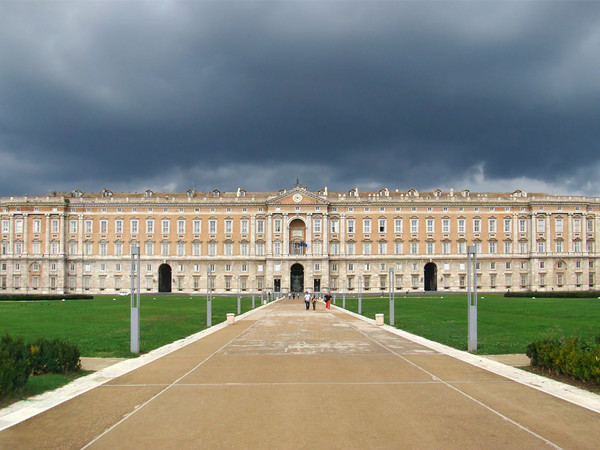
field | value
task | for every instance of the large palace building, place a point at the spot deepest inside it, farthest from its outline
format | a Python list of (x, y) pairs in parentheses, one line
[(298, 240)]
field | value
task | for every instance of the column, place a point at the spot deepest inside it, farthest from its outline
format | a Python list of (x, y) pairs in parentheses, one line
[(309, 232), (342, 248), (25, 235), (570, 233), (252, 234), (286, 235)]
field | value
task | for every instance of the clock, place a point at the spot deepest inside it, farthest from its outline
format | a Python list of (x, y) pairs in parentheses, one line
[(297, 198)]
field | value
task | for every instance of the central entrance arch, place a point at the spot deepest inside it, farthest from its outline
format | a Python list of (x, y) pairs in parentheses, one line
[(164, 278), (297, 278), (430, 277)]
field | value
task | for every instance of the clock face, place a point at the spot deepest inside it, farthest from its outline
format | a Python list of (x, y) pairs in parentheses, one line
[(297, 198)]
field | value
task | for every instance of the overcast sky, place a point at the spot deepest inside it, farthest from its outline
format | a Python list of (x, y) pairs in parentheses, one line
[(487, 96)]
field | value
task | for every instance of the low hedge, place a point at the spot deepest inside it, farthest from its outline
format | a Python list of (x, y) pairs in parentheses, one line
[(15, 366), (19, 360), (41, 297), (554, 294), (55, 356), (572, 356)]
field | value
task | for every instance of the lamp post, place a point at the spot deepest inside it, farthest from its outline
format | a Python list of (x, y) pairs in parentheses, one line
[(239, 297), (344, 296), (391, 283), (253, 293), (208, 298), (360, 294), (135, 300), (472, 297)]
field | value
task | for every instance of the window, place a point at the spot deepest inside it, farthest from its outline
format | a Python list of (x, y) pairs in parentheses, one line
[(446, 247), (351, 248), (37, 226), (228, 226), (493, 247), (149, 226), (103, 226), (522, 225), (350, 225), (164, 248), (476, 225), (149, 248), (461, 225), (5, 225), (165, 225), (559, 246), (576, 246), (366, 248), (398, 225), (316, 248), (180, 248), (492, 225), (559, 225), (73, 226), (445, 225), (18, 248), (196, 248), (462, 247), (522, 247), (414, 248), (507, 225), (260, 226), (334, 248), (244, 248), (36, 248), (508, 247), (477, 247), (244, 226), (335, 226), (54, 248), (414, 225), (134, 226), (260, 249), (430, 248), (119, 226), (118, 248), (382, 225), (590, 225), (277, 225), (277, 248), (366, 225), (508, 265), (429, 224), (181, 226), (54, 226), (87, 248), (577, 225), (212, 248), (382, 248), (398, 248), (196, 224), (541, 225), (212, 226)]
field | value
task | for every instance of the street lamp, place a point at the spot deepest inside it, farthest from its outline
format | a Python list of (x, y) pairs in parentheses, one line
[(472, 297), (239, 297), (360, 294), (208, 298), (253, 293), (391, 283), (135, 301)]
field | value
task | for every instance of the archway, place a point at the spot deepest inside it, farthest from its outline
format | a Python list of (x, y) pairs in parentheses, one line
[(297, 278), (430, 277), (164, 278)]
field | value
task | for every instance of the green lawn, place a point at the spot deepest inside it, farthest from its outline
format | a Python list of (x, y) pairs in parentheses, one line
[(101, 327), (505, 325)]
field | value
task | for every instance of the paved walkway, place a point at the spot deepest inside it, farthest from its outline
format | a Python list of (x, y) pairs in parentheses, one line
[(283, 377)]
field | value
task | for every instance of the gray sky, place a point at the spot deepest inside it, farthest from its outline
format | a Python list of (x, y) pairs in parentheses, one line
[(487, 96)]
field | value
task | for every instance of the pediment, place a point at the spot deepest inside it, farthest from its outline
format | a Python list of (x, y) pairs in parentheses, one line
[(297, 196)]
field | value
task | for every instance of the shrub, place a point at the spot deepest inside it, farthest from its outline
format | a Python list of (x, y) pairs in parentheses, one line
[(571, 356), (554, 294), (55, 356), (14, 365)]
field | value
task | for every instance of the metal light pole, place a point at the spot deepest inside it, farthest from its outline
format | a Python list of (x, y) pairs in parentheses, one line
[(344, 296), (391, 283), (472, 297), (135, 300), (253, 293), (239, 298), (208, 298), (360, 294)]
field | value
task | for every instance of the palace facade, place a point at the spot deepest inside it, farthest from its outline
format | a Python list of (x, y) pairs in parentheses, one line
[(298, 240)]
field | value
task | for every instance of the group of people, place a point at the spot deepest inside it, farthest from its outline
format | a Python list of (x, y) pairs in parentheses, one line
[(308, 298)]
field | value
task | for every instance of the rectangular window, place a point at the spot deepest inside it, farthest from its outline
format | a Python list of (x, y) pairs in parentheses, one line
[(366, 225), (317, 225), (576, 246), (366, 248), (165, 225), (212, 248), (260, 226), (350, 225), (414, 225), (559, 225), (150, 226), (54, 226), (398, 225), (445, 225), (414, 248), (461, 225), (277, 248), (5, 225), (164, 249), (429, 225), (590, 225), (577, 225), (431, 247), (277, 226), (522, 225), (492, 225), (398, 248), (244, 226), (508, 247), (18, 226), (382, 248), (37, 226), (181, 226), (316, 249), (476, 225), (197, 226), (73, 226), (37, 248), (335, 226), (119, 226), (507, 225), (462, 247), (382, 225), (228, 226), (149, 248), (87, 248), (260, 249), (134, 225), (493, 247), (243, 248), (196, 248), (180, 249), (541, 225), (212, 226), (118, 248), (334, 248), (351, 248), (103, 248), (559, 246), (522, 247), (104, 227), (446, 247)]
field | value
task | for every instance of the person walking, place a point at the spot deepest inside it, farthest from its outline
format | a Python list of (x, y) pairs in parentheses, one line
[(328, 300), (314, 301), (307, 300)]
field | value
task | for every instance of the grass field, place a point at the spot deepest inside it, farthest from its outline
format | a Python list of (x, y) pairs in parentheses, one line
[(505, 325), (101, 327)]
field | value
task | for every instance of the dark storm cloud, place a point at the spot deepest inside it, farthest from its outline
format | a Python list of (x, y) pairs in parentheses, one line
[(172, 95)]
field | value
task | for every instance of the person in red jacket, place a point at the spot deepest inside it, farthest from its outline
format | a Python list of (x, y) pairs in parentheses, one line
[(328, 300)]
